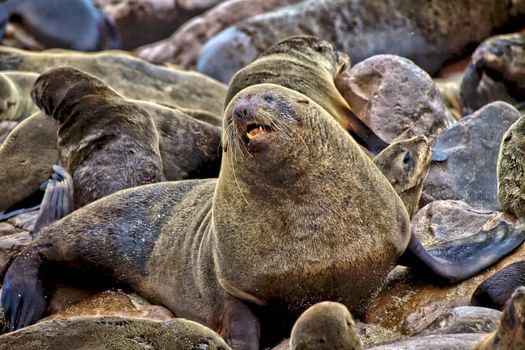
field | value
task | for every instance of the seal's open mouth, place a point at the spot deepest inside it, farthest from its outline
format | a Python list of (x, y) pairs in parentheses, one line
[(254, 131)]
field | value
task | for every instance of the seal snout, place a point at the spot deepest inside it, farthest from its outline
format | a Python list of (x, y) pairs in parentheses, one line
[(251, 123)]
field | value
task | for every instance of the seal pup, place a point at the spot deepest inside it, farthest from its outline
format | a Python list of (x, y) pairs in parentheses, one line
[(111, 332), (510, 334), (311, 66), (496, 72), (76, 25), (15, 102), (288, 223), (405, 165), (325, 326)]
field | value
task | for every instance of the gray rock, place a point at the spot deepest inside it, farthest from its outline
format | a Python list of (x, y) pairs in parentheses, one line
[(472, 147), (435, 342), (465, 319), (429, 33), (395, 98), (444, 220)]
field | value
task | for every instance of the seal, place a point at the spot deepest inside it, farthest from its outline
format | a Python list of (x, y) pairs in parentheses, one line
[(325, 326), (310, 66), (511, 330), (15, 102), (130, 76), (76, 25), (188, 147), (498, 288), (114, 333), (288, 223), (27, 155), (495, 73), (405, 165), (511, 170)]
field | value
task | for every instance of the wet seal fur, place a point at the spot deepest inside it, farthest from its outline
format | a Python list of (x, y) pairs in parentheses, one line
[(310, 66), (495, 73), (288, 223), (511, 330), (511, 170), (325, 326)]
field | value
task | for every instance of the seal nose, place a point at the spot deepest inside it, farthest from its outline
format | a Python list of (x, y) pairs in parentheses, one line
[(241, 111)]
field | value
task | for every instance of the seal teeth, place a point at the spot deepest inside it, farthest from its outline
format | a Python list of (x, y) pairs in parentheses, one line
[(255, 132)]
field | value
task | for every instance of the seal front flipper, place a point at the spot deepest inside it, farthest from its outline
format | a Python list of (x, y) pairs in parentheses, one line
[(23, 297), (460, 259), (363, 134), (58, 199), (240, 327)]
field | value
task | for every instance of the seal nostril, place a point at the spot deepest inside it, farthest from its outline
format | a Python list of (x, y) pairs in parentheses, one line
[(241, 113)]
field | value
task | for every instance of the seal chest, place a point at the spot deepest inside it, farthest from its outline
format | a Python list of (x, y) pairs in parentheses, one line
[(300, 212)]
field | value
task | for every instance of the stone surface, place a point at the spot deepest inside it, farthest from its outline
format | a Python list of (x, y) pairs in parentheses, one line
[(465, 319), (395, 98), (409, 304), (435, 342), (472, 146), (183, 46), (111, 303), (429, 33), (141, 22), (443, 220)]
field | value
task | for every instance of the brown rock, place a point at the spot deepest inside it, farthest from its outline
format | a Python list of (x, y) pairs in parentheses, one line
[(110, 303), (10, 246), (25, 221), (396, 98), (183, 46), (141, 22)]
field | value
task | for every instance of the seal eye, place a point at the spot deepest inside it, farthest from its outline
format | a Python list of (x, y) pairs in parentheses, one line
[(407, 160), (268, 99)]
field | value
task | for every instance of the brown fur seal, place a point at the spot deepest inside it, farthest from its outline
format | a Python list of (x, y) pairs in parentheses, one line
[(188, 147), (298, 215), (325, 326), (15, 102), (30, 146), (76, 25), (310, 66), (99, 134), (495, 73), (363, 28), (116, 333), (510, 334), (405, 165), (511, 170), (497, 289), (130, 76)]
